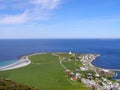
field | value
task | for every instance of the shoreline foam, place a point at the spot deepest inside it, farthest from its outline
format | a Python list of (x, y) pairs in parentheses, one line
[(24, 61)]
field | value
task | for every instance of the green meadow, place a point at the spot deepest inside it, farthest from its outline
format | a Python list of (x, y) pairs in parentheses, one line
[(45, 73)]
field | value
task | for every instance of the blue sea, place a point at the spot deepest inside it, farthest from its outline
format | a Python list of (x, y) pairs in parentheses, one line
[(109, 49)]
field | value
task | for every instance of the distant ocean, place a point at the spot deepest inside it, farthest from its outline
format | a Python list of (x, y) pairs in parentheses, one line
[(109, 49)]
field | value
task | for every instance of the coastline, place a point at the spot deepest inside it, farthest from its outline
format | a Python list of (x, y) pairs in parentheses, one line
[(91, 76), (24, 61), (103, 69)]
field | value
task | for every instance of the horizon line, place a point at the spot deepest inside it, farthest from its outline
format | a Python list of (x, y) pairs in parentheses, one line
[(56, 38)]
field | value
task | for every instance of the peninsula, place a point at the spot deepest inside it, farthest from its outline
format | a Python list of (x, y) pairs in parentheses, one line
[(60, 71)]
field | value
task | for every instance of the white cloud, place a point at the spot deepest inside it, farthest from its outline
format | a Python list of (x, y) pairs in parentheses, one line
[(45, 4), (14, 19), (36, 10)]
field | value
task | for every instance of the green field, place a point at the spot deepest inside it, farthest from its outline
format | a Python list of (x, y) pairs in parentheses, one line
[(72, 65), (44, 73)]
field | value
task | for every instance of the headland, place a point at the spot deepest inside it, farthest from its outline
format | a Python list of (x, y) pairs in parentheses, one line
[(65, 70)]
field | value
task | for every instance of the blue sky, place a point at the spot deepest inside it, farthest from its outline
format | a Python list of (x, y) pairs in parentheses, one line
[(59, 19)]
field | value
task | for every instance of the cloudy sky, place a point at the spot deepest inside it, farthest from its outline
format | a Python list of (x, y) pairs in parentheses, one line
[(59, 19)]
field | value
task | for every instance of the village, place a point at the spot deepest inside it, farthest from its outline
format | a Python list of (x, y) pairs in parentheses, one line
[(79, 68)]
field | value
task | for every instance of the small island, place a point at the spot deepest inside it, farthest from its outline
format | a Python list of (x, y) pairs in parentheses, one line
[(60, 71)]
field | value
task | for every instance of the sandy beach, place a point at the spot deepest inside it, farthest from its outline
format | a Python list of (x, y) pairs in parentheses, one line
[(24, 61)]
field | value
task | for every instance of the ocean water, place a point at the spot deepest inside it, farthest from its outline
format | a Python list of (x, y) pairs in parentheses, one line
[(109, 49)]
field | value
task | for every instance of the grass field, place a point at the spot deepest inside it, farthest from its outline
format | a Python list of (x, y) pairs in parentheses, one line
[(72, 65), (45, 73)]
